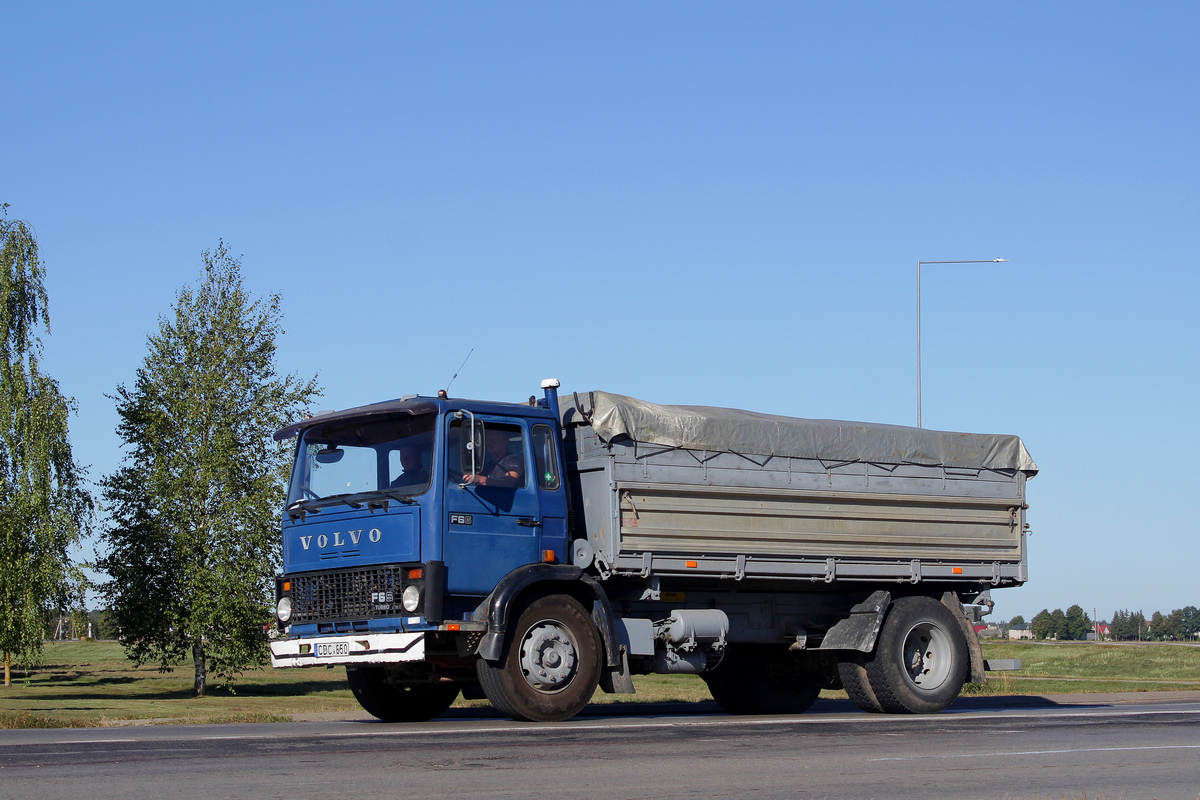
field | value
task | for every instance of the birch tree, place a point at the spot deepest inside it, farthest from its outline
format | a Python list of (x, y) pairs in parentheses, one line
[(193, 541), (44, 509)]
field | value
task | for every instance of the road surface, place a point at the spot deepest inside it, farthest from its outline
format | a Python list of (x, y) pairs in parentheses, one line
[(1129, 748)]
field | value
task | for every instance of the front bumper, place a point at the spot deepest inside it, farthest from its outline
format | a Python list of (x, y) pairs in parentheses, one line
[(371, 648)]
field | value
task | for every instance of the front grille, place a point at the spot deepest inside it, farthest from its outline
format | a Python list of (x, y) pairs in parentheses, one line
[(346, 594)]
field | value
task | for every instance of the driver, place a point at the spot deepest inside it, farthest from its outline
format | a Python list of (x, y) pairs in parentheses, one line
[(412, 460), (501, 468)]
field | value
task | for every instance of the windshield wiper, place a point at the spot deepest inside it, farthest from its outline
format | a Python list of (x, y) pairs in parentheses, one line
[(353, 499), (348, 498), (299, 508), (372, 499), (399, 497)]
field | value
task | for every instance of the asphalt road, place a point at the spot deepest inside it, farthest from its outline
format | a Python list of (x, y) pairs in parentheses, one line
[(980, 748)]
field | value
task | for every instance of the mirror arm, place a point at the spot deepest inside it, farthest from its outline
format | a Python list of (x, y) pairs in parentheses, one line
[(471, 440)]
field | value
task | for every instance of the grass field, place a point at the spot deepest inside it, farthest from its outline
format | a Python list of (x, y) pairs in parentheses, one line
[(1069, 667), (91, 683)]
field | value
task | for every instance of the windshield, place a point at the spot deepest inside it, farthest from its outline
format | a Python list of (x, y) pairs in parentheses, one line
[(390, 456)]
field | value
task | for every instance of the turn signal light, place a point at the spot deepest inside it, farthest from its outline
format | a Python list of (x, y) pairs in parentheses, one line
[(958, 570), (548, 556), (453, 627), (692, 565), (287, 586), (415, 574)]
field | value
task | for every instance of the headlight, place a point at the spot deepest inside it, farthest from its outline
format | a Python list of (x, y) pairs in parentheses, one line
[(283, 609), (410, 598)]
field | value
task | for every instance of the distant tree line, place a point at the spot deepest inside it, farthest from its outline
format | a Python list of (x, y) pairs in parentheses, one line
[(1126, 626), (1182, 623), (1074, 625)]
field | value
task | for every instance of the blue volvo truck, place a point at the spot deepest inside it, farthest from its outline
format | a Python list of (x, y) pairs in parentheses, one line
[(529, 553)]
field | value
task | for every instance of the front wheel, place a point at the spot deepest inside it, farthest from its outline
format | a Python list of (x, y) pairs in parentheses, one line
[(398, 703), (920, 659), (551, 662)]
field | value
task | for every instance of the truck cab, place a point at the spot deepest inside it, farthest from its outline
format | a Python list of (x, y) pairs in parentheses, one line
[(401, 518), (388, 501)]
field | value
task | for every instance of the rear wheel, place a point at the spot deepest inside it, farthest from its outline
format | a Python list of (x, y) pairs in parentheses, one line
[(551, 662), (853, 673), (763, 683), (920, 659), (403, 703)]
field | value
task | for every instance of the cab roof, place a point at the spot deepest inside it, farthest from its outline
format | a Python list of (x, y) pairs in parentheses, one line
[(413, 406)]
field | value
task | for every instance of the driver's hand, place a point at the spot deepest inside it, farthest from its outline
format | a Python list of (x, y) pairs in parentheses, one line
[(473, 479)]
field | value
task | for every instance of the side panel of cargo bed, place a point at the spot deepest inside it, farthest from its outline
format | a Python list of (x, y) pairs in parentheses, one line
[(653, 510), (716, 519)]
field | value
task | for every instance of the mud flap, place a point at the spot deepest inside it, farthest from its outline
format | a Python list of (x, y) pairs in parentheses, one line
[(617, 680), (859, 630)]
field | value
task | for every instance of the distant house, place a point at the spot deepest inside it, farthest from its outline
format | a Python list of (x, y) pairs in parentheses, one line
[(1019, 632), (1103, 632)]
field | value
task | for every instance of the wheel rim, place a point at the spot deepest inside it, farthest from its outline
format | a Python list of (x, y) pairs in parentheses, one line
[(548, 659), (928, 655)]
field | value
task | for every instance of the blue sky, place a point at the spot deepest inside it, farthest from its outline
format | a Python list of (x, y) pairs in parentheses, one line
[(691, 203)]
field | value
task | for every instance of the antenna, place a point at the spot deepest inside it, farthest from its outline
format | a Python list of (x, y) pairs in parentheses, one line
[(460, 366)]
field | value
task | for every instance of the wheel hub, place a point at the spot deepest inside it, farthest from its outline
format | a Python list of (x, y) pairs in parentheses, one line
[(548, 657), (927, 656)]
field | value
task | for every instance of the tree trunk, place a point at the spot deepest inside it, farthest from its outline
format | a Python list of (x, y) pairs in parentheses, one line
[(7, 669), (198, 659)]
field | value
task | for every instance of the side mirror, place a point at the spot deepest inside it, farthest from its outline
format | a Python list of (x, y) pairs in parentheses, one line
[(473, 447)]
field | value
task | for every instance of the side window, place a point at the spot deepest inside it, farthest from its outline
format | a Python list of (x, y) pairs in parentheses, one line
[(546, 455), (502, 464)]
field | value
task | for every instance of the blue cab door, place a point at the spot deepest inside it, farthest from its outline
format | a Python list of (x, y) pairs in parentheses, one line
[(490, 530), (552, 495)]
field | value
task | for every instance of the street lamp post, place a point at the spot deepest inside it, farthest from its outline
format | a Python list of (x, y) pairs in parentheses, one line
[(919, 263)]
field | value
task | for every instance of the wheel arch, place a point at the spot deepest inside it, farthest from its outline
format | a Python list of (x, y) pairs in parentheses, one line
[(533, 580)]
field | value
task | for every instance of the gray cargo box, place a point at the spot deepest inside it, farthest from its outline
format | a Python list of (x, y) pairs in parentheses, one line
[(688, 491)]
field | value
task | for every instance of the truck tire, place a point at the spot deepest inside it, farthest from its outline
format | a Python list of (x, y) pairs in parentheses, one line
[(551, 662), (404, 703), (853, 672), (753, 684), (920, 659)]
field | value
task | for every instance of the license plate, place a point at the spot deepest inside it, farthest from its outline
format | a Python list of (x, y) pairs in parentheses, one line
[(325, 649)]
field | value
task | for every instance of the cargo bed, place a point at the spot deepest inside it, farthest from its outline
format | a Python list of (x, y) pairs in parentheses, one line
[(653, 509)]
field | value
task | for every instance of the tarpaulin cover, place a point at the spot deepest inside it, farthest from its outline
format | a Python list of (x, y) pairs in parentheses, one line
[(752, 433)]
